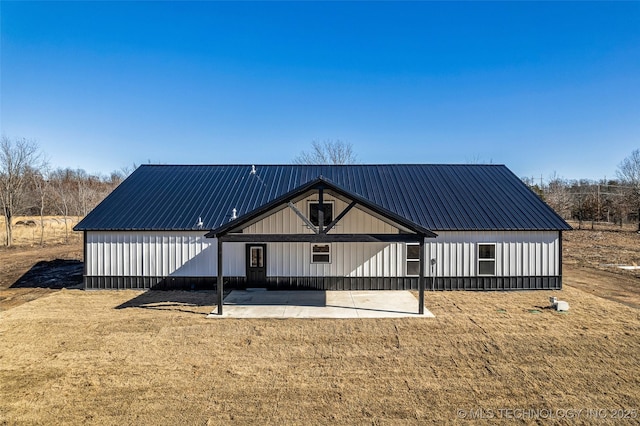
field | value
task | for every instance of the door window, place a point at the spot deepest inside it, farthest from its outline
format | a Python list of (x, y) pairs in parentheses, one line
[(256, 257)]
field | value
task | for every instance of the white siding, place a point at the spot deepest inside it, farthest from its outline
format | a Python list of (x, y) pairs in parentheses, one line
[(518, 253), (347, 260), (188, 253), (159, 254)]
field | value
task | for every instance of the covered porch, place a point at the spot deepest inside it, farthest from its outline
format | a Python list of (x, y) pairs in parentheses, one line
[(319, 227), (261, 303)]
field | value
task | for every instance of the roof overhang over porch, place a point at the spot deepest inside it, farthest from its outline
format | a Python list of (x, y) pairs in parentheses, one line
[(322, 238), (408, 230)]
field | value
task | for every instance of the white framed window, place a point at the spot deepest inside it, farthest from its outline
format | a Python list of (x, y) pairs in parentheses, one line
[(487, 259), (320, 253), (413, 260), (314, 208)]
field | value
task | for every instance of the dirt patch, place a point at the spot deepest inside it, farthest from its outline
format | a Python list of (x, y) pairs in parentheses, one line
[(57, 273), (588, 257), (609, 285), (27, 273), (601, 249)]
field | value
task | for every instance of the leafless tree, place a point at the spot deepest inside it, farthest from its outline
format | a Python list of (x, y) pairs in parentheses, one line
[(62, 187), (41, 189), (558, 196), (629, 169), (17, 158), (327, 152), (629, 173)]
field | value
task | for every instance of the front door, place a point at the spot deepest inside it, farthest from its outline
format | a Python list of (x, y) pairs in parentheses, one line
[(256, 265)]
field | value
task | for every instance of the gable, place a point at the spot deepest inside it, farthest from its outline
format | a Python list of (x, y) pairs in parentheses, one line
[(286, 221)]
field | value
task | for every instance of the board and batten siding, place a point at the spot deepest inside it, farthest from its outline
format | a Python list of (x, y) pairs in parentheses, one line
[(164, 259), (157, 254), (285, 221), (190, 254), (347, 260), (518, 253)]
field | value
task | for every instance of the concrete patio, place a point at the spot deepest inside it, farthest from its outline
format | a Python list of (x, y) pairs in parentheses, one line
[(261, 303)]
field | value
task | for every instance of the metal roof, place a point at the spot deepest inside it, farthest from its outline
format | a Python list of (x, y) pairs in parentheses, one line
[(435, 197)]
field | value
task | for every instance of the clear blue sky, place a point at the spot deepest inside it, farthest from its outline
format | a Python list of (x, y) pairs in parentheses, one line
[(541, 87)]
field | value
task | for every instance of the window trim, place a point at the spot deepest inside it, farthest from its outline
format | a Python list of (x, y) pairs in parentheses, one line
[(487, 260), (333, 210), (313, 261), (407, 260)]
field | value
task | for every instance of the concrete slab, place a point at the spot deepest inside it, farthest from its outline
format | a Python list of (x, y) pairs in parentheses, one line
[(260, 303)]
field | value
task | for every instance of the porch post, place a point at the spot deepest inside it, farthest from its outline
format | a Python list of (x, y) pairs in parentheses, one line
[(219, 283), (421, 279)]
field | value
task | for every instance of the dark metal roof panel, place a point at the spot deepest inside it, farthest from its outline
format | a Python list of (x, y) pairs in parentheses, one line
[(435, 197)]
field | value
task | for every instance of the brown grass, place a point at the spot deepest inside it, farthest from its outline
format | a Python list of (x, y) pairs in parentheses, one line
[(74, 357), (128, 357), (55, 230)]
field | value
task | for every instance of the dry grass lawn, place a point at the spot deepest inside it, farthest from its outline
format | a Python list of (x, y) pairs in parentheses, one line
[(129, 357), (73, 357), (27, 230)]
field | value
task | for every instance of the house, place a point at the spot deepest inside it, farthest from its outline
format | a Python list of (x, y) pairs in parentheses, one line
[(441, 227)]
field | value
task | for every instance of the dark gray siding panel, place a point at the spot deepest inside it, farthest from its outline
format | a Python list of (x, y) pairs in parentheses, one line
[(148, 283), (496, 283), (329, 283)]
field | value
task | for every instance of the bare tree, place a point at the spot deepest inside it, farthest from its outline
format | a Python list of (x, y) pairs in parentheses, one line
[(17, 158), (629, 173), (327, 152), (62, 185), (41, 189), (629, 169), (558, 196)]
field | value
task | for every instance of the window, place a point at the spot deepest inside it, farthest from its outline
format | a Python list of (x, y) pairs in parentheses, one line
[(486, 259), (314, 207), (413, 259), (256, 259), (320, 253)]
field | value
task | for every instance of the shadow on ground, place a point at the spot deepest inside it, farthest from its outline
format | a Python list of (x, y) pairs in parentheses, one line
[(315, 298), (172, 300), (55, 274)]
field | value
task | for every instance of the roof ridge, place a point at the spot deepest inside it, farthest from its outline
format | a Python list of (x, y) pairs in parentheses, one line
[(326, 165)]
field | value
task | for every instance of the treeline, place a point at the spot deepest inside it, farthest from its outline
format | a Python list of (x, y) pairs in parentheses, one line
[(608, 201), (30, 187)]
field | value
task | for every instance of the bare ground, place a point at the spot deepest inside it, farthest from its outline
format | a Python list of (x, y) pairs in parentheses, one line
[(125, 357), (588, 259), (27, 273)]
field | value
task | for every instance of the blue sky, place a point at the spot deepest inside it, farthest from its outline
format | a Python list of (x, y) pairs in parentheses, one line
[(541, 87)]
